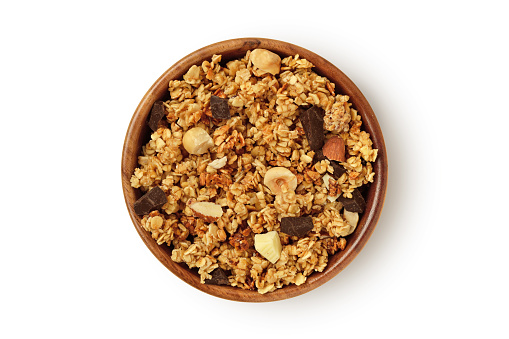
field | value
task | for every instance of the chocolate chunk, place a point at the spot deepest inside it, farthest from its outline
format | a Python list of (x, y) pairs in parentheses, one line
[(312, 122), (296, 226), (152, 200), (319, 156), (219, 277), (338, 170), (364, 188), (354, 204), (219, 107), (156, 115)]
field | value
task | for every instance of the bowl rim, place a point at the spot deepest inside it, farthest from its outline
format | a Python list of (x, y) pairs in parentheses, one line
[(233, 48)]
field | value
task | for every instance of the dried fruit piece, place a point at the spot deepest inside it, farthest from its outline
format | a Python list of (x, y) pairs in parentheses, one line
[(266, 61), (208, 211), (219, 107), (280, 180), (268, 245), (152, 200), (197, 141), (296, 226), (312, 122), (219, 277), (354, 204), (334, 149)]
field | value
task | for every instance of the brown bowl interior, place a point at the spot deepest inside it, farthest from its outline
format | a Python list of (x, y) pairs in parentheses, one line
[(138, 134)]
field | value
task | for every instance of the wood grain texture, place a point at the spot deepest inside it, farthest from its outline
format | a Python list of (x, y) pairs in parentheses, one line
[(138, 134)]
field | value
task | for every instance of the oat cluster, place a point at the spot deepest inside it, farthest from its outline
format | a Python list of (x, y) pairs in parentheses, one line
[(263, 132)]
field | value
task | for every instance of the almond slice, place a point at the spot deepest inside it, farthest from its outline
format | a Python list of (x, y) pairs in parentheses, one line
[(208, 211)]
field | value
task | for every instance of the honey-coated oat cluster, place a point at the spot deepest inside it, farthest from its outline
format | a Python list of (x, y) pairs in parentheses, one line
[(254, 171)]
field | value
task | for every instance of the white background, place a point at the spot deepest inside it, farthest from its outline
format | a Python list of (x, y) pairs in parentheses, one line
[(72, 73)]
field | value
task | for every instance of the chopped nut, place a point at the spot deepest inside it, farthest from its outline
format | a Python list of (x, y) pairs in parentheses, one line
[(352, 218), (207, 210), (218, 163), (197, 141), (280, 180), (266, 61), (268, 245), (332, 186)]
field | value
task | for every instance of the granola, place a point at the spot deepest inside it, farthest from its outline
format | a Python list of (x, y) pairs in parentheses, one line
[(229, 178)]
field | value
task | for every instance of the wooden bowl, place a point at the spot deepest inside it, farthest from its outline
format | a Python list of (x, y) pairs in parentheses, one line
[(138, 134)]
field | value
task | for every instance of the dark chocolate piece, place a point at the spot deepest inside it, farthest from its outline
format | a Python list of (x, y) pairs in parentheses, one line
[(296, 226), (152, 200), (319, 156), (219, 277), (312, 122), (354, 204), (338, 170), (219, 108), (156, 115)]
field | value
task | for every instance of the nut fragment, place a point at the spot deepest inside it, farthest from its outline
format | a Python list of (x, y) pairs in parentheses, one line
[(268, 245), (326, 179), (197, 141), (266, 61), (208, 211), (352, 218), (218, 163), (280, 180), (334, 149)]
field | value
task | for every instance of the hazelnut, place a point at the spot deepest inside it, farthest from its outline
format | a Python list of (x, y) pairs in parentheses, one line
[(197, 141), (265, 61), (280, 180)]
